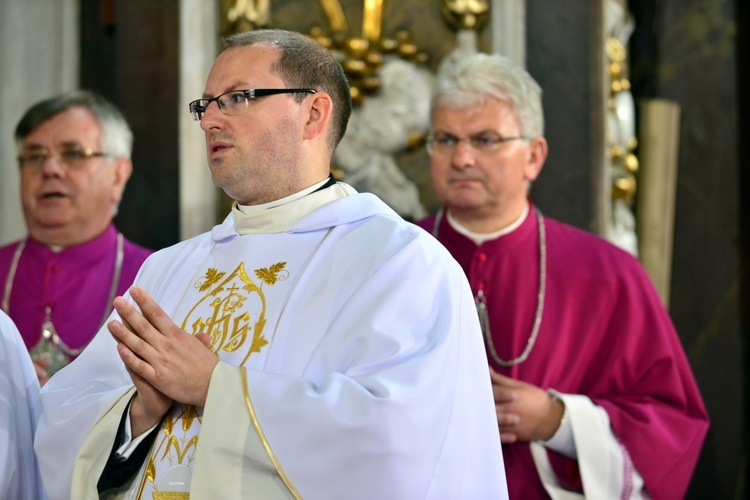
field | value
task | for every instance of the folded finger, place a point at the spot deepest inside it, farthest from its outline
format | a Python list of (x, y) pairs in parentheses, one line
[(133, 342), (136, 365)]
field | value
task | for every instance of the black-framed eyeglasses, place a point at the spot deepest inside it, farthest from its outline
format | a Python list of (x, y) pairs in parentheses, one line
[(235, 102), (72, 157), (485, 143)]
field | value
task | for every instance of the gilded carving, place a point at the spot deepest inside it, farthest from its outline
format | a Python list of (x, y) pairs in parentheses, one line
[(466, 14), (621, 162)]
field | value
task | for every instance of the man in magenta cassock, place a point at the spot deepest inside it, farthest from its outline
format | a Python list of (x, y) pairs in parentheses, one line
[(58, 283), (593, 391)]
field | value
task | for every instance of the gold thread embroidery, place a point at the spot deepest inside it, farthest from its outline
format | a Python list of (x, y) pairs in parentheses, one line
[(212, 276), (171, 495), (151, 470), (227, 333), (218, 313), (263, 440), (169, 423), (190, 414), (269, 275), (181, 452)]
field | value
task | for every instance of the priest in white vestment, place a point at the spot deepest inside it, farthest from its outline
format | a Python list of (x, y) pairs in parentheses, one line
[(19, 412), (313, 345)]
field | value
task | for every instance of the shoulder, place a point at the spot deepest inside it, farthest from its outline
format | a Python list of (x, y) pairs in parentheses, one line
[(588, 254), (393, 229), (427, 223), (389, 240), (7, 250), (135, 251), (170, 262), (6, 256), (183, 247), (584, 242)]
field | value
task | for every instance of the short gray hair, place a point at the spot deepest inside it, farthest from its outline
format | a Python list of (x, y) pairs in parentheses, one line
[(116, 135), (470, 81)]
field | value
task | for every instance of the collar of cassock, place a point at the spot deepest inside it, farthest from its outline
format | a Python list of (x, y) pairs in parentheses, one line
[(280, 215), (480, 238)]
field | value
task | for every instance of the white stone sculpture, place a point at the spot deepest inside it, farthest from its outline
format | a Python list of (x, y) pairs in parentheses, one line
[(380, 128)]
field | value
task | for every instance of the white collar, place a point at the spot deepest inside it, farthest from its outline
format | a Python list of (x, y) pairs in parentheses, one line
[(256, 209), (280, 215), (480, 238)]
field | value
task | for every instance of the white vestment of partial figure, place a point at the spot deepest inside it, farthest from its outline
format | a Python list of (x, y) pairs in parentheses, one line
[(19, 412)]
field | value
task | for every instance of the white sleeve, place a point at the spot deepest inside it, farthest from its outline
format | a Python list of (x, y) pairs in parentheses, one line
[(562, 441), (605, 465)]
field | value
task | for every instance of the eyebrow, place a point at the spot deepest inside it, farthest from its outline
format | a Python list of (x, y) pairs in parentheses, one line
[(72, 144), (475, 134), (64, 145), (230, 88)]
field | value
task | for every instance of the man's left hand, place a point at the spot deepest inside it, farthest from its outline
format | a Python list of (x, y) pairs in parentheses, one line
[(524, 411), (171, 360)]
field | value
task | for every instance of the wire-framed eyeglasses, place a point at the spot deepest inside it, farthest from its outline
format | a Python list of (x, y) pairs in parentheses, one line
[(485, 143), (73, 157), (235, 102)]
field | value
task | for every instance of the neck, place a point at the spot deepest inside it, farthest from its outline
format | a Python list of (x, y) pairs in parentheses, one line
[(254, 209), (62, 238)]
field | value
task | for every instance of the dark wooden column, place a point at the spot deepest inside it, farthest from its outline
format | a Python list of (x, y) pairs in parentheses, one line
[(129, 53)]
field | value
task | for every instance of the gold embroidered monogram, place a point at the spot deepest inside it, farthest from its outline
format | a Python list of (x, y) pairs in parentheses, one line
[(223, 313), (230, 307)]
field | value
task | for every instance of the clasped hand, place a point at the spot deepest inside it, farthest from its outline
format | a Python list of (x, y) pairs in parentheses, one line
[(524, 411), (165, 363)]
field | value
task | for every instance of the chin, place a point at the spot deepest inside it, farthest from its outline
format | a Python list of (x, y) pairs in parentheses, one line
[(464, 202)]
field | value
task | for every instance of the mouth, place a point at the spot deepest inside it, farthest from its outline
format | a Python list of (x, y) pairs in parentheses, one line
[(463, 180), (216, 148), (52, 195)]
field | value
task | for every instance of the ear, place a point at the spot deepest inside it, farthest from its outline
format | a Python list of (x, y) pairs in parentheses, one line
[(537, 154), (319, 110), (123, 168)]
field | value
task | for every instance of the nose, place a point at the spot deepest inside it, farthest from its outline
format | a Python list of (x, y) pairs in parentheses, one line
[(463, 156), (53, 166), (212, 116)]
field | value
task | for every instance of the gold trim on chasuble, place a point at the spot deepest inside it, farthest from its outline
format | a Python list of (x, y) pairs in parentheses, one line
[(262, 437), (224, 312)]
